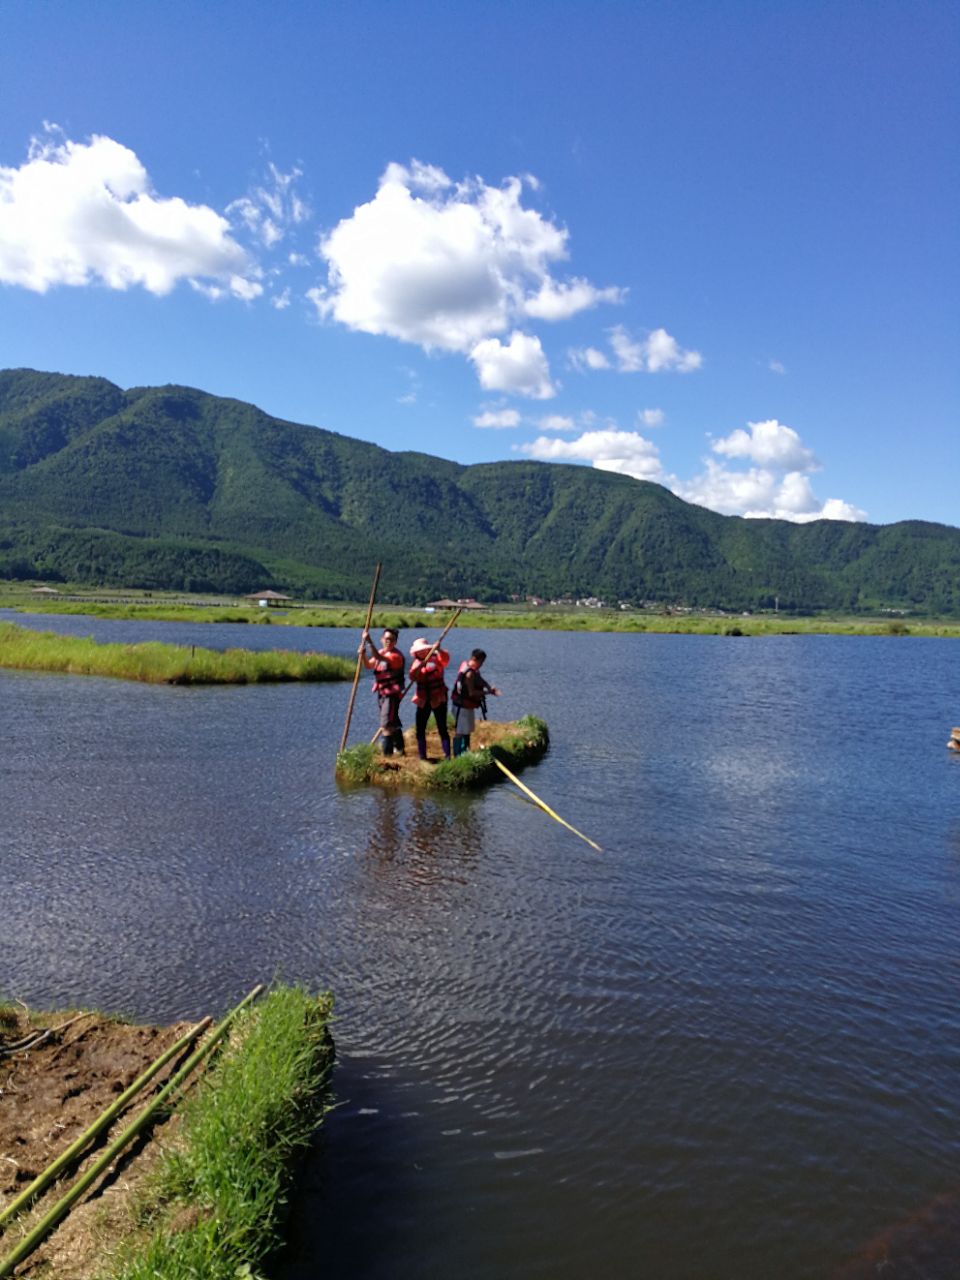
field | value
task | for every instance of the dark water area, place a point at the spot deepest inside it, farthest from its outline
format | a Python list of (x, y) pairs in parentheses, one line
[(727, 1047)]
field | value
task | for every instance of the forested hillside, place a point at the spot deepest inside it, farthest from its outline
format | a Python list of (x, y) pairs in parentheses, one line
[(168, 487)]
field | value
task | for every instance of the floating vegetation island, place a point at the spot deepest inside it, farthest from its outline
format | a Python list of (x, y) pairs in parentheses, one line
[(516, 743), (158, 663)]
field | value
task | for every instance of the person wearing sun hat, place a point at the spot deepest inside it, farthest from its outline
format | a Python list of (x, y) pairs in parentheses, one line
[(426, 671)]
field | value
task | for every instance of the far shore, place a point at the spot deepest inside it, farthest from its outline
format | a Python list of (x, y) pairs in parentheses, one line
[(148, 607)]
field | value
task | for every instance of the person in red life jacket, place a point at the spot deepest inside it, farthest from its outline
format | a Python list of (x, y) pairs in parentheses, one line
[(387, 665), (431, 693), (469, 693)]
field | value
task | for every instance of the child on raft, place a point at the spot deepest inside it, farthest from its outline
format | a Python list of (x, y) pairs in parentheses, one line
[(387, 664), (469, 692), (430, 698)]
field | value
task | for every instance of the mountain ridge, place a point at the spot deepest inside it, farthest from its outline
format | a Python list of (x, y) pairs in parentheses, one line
[(174, 487)]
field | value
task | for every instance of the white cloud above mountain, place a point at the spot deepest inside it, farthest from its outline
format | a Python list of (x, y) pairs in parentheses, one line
[(658, 352), (518, 367), (626, 452), (450, 267), (80, 213)]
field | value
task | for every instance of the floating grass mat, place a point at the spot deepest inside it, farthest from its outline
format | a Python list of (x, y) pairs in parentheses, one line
[(159, 663), (517, 743)]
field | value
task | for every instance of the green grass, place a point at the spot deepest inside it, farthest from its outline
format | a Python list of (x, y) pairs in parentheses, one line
[(477, 768), (159, 663), (358, 764), (216, 1204)]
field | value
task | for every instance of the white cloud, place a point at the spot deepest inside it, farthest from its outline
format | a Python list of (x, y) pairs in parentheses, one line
[(281, 300), (270, 210), (775, 366), (626, 452), (768, 443), (587, 358), (520, 367), (79, 213), (497, 419), (776, 486), (652, 417), (556, 422), (450, 265), (556, 301), (657, 353)]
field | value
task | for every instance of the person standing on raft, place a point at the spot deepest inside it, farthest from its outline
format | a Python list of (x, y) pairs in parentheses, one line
[(387, 665), (469, 692), (431, 693)]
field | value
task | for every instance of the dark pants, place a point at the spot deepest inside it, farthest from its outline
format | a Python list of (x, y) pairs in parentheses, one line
[(423, 719), (391, 730)]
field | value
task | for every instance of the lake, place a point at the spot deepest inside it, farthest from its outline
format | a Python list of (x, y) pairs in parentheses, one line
[(726, 1047)]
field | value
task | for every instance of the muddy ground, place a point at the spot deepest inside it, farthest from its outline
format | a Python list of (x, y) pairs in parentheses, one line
[(50, 1092)]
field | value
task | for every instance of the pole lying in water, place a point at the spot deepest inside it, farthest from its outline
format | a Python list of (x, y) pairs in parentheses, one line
[(63, 1206), (443, 634), (546, 808), (43, 1180), (356, 678)]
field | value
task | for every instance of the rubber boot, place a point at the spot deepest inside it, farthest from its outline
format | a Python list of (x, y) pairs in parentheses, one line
[(445, 743), (386, 744), (422, 747), (457, 746), (466, 744), (398, 743)]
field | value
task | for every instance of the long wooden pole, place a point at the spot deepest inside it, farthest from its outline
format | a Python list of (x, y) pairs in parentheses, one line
[(86, 1179), (546, 808), (356, 678), (426, 659)]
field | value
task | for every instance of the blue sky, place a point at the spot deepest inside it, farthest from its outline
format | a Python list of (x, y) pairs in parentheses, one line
[(712, 245)]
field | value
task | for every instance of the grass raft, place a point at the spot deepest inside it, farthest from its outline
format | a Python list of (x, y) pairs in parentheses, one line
[(516, 743)]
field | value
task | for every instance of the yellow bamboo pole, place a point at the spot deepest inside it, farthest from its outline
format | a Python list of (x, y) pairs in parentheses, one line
[(545, 807), (43, 1180), (426, 659), (356, 677)]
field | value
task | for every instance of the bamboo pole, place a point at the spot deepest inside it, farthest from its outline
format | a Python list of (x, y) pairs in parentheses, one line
[(43, 1180), (546, 808), (356, 678), (443, 634), (63, 1206)]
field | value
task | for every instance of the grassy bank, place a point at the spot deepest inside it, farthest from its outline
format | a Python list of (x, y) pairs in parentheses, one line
[(216, 1203), (159, 663), (517, 744), (497, 618)]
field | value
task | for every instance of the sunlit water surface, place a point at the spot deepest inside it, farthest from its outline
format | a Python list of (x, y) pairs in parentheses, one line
[(728, 1046)]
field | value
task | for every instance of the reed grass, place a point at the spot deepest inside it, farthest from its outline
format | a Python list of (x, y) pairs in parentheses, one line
[(216, 1204), (159, 663)]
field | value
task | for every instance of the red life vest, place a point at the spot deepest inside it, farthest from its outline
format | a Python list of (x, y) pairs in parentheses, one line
[(469, 687), (388, 673), (431, 686)]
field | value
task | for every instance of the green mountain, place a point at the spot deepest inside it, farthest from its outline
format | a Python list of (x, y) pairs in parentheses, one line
[(168, 487)]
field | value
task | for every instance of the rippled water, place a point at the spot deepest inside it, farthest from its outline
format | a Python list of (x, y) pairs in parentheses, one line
[(726, 1047)]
